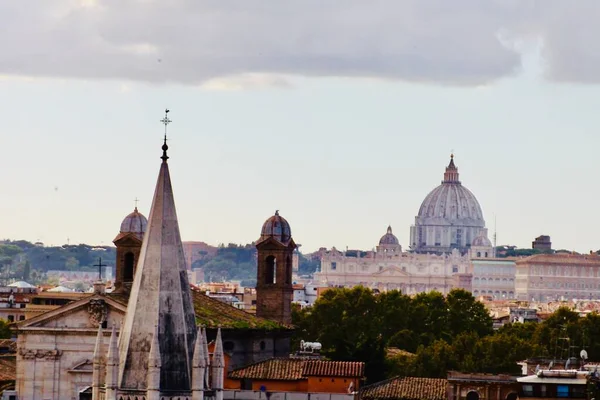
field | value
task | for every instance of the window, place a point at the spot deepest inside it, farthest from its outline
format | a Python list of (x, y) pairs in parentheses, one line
[(578, 392), (128, 264), (270, 270), (562, 391), (472, 395), (228, 346), (527, 390), (333, 266), (454, 269), (21, 318)]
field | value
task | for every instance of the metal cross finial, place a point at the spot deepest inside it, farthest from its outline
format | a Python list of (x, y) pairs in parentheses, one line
[(100, 265), (136, 202), (166, 121)]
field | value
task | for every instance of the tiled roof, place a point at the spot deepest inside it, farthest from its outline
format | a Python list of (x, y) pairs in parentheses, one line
[(406, 388), (293, 369), (280, 369), (8, 368), (9, 344), (334, 368), (214, 313), (561, 258)]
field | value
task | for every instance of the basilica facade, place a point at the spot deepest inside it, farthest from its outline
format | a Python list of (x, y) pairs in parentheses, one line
[(449, 232)]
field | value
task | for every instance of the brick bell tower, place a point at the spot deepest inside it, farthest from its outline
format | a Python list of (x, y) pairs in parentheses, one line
[(129, 244), (274, 291)]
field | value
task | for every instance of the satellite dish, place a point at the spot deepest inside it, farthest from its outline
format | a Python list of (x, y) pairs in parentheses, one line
[(568, 364), (537, 369), (551, 365), (583, 354)]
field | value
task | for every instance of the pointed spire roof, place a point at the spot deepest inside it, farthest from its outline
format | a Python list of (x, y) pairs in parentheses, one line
[(218, 355), (98, 347), (451, 174), (160, 296), (199, 357), (113, 348)]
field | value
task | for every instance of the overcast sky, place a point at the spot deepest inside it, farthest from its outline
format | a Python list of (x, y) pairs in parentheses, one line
[(341, 114)]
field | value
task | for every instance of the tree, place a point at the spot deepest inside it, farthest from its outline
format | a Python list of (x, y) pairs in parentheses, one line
[(465, 314), (344, 322), (5, 332), (26, 270)]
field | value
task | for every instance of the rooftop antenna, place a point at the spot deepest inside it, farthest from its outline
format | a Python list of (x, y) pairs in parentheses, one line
[(495, 231)]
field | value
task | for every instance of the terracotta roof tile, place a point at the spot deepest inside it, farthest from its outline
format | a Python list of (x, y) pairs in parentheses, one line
[(214, 313), (334, 368), (406, 388), (561, 258), (8, 368), (292, 369), (8, 344), (281, 369)]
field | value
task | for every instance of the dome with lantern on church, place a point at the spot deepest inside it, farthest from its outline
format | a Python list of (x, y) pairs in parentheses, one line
[(135, 223), (449, 218), (276, 227), (389, 238)]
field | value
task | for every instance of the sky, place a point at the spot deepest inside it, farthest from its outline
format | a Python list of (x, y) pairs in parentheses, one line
[(342, 114)]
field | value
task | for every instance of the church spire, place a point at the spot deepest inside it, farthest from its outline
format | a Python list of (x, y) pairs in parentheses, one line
[(451, 174), (160, 297)]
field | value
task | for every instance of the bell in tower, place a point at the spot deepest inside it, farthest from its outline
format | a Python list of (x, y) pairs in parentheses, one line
[(274, 290), (128, 243)]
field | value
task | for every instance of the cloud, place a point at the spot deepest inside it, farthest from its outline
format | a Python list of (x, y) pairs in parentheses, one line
[(201, 42)]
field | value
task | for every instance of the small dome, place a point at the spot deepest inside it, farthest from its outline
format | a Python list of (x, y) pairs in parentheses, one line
[(389, 237), (134, 223), (481, 240), (276, 227)]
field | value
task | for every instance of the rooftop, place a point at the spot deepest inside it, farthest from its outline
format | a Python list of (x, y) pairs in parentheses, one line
[(406, 388), (293, 369), (214, 313)]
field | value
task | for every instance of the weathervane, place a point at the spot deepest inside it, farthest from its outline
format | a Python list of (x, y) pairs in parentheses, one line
[(166, 121)]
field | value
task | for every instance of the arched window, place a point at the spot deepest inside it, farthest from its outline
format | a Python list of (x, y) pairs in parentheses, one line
[(270, 270), (512, 396), (128, 267), (478, 254), (472, 395)]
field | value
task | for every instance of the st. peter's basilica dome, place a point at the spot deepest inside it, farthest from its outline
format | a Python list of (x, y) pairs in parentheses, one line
[(450, 217)]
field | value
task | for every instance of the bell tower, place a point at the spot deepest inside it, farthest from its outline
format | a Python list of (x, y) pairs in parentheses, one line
[(129, 244), (274, 290)]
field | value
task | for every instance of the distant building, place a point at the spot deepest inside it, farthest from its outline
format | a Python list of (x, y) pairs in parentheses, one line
[(299, 375), (390, 268), (551, 277), (542, 243), (449, 218), (306, 295), (494, 277)]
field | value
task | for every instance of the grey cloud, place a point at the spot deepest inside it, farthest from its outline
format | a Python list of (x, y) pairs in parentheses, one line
[(192, 41)]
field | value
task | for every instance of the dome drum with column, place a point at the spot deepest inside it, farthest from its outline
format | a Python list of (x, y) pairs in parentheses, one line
[(449, 218)]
